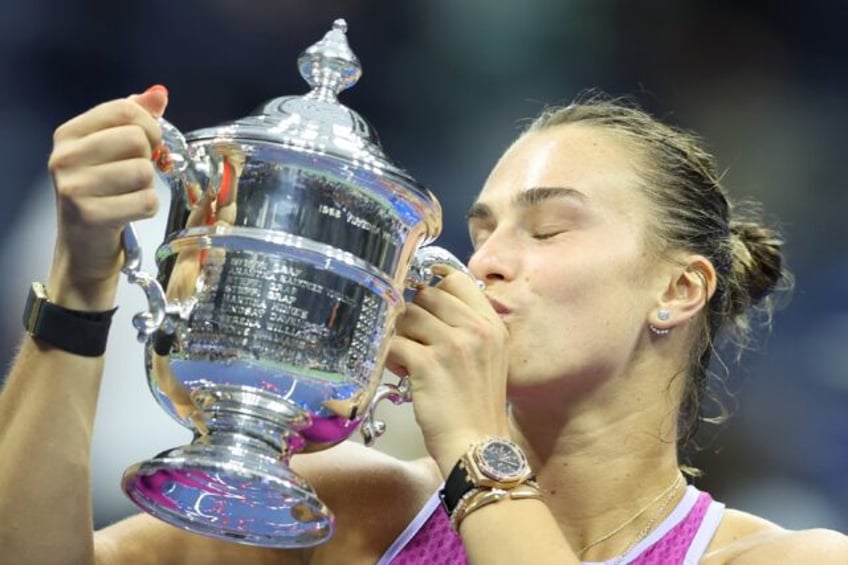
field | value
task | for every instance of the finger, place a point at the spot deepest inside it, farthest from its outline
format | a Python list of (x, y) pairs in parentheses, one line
[(419, 325), (464, 287), (395, 367), (445, 306), (112, 144), (403, 352), (108, 179), (154, 100), (108, 115), (113, 211)]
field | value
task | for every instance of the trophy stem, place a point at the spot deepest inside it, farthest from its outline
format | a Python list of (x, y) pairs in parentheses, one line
[(232, 486)]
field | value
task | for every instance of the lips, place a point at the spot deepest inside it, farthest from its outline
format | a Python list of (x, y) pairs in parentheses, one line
[(498, 307)]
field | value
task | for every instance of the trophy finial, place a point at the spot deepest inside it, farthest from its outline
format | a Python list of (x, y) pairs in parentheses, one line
[(330, 66)]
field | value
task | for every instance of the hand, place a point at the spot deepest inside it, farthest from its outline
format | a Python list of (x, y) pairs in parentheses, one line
[(103, 177), (453, 347)]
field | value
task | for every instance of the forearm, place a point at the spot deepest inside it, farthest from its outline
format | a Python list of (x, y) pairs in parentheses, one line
[(103, 178), (515, 531), (46, 418)]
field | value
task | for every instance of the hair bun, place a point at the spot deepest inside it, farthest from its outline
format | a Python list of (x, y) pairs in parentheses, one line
[(757, 262)]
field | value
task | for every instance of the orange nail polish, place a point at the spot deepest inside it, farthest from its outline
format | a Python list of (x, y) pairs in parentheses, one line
[(161, 157), (157, 88)]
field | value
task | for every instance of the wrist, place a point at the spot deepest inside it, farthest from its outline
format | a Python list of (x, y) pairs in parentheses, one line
[(449, 452), (488, 471), (83, 294), (75, 331), (89, 283)]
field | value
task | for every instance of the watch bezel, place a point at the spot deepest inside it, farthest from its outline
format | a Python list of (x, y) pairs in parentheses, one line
[(489, 471)]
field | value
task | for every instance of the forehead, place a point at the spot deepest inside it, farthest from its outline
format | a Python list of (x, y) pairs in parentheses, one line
[(592, 161)]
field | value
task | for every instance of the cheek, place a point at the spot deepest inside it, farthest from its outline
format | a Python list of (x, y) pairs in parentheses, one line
[(602, 289), (587, 312)]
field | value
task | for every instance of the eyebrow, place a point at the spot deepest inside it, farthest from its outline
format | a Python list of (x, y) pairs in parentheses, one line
[(527, 199)]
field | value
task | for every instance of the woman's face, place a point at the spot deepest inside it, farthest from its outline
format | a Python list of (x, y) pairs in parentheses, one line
[(558, 232)]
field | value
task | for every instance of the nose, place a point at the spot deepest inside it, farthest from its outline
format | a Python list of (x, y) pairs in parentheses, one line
[(496, 259)]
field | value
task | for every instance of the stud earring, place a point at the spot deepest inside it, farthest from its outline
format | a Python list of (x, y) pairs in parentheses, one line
[(662, 315)]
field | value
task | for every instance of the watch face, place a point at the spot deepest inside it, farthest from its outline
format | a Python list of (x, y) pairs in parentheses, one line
[(501, 460)]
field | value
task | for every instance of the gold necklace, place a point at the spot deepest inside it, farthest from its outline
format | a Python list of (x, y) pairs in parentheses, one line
[(668, 493), (648, 527)]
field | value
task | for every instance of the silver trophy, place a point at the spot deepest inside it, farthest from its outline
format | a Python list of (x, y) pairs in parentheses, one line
[(290, 241)]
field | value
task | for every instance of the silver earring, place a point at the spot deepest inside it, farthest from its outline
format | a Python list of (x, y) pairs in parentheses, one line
[(662, 315), (657, 330)]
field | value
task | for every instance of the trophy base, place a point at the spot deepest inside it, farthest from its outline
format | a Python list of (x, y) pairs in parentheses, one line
[(231, 487)]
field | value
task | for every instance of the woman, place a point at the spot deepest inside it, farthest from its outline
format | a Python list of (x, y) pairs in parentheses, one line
[(610, 257)]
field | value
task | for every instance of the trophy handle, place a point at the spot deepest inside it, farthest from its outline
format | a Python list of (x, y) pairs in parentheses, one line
[(372, 428), (147, 322), (421, 270), (174, 166), (420, 274)]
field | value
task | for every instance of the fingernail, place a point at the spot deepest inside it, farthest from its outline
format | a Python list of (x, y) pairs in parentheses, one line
[(157, 88)]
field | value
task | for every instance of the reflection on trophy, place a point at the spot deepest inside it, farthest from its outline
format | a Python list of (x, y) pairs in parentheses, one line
[(291, 238)]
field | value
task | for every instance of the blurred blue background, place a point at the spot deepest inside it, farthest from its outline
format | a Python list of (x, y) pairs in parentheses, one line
[(447, 84)]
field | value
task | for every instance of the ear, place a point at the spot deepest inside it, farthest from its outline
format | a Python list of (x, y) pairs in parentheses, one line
[(690, 287)]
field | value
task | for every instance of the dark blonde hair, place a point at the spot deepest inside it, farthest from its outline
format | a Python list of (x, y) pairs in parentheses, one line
[(692, 212)]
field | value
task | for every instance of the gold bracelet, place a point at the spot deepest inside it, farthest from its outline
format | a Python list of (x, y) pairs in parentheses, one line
[(526, 491), (474, 500), (480, 497)]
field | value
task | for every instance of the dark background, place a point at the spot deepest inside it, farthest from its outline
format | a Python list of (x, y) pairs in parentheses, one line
[(447, 84)]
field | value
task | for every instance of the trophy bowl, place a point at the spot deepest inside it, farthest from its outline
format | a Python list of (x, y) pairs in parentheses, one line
[(290, 241)]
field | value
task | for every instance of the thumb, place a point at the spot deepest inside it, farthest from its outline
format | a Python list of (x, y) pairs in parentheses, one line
[(154, 100)]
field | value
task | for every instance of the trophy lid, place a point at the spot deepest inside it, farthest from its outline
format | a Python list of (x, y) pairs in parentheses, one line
[(316, 122)]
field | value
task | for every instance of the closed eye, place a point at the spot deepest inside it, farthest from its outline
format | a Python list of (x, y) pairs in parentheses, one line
[(547, 235), (478, 238)]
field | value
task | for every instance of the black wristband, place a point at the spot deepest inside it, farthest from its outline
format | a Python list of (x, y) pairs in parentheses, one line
[(74, 331), (456, 486)]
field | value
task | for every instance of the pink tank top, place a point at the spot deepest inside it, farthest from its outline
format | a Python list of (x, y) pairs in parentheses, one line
[(682, 538)]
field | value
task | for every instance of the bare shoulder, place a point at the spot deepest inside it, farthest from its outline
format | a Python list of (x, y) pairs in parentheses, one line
[(372, 495), (743, 539), (351, 462), (145, 540)]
